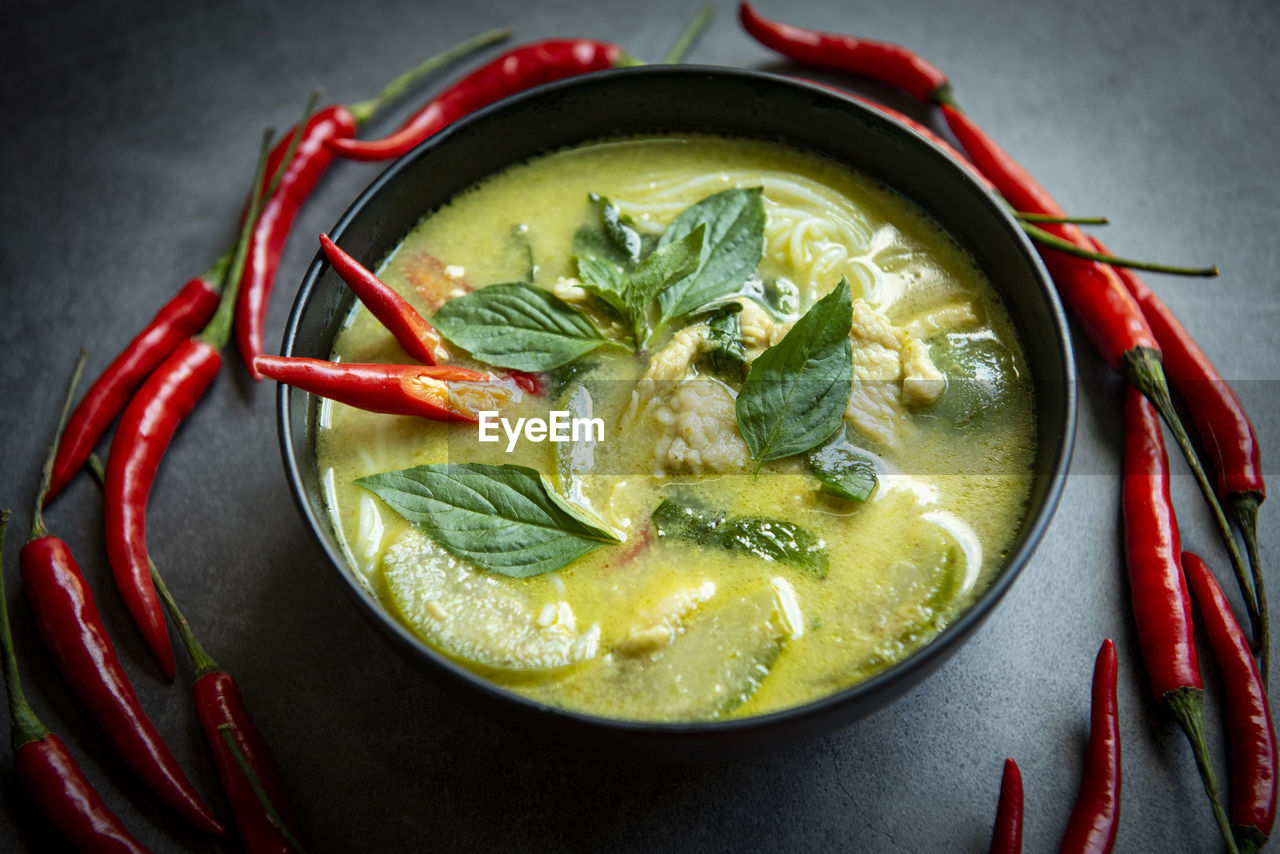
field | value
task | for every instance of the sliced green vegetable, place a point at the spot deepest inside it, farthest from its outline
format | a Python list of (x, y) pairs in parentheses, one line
[(714, 665), (795, 394), (982, 377), (759, 536), (730, 254), (504, 519), (518, 326), (843, 470), (783, 296)]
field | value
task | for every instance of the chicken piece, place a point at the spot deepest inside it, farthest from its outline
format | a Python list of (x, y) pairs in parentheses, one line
[(940, 319), (699, 430), (892, 373), (661, 624), (759, 330)]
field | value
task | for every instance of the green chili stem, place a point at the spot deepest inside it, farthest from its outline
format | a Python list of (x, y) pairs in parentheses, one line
[(46, 474), (25, 727), (362, 111), (1187, 706), (1039, 235), (1142, 367), (1244, 510), (200, 658), (689, 35), (273, 815), (218, 330), (1024, 216)]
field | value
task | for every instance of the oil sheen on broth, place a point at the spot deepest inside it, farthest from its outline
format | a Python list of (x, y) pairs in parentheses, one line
[(670, 627)]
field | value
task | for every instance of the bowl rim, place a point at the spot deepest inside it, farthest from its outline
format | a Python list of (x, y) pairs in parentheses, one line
[(926, 657)]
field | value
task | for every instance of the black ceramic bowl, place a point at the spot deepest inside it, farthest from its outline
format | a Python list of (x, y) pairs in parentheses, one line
[(675, 100)]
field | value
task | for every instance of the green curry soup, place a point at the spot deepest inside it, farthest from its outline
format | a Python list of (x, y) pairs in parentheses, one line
[(750, 519)]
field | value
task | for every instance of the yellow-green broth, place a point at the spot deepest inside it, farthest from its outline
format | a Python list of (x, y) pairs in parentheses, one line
[(662, 629)]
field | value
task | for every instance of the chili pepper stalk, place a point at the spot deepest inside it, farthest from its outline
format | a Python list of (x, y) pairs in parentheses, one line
[(1249, 728), (49, 773), (71, 628)]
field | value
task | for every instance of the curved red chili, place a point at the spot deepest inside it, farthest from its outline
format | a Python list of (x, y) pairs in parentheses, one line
[(415, 335), (1250, 732), (310, 160), (514, 71), (1108, 312), (1161, 604), (146, 428), (1006, 836), (891, 63), (179, 318), (143, 435), (49, 773), (418, 390), (1224, 428), (1096, 815), (71, 628)]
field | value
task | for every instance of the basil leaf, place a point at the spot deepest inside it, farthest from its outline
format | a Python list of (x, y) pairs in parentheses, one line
[(618, 228), (796, 392), (760, 536), (605, 281), (518, 326), (664, 267), (843, 471), (730, 254), (504, 519)]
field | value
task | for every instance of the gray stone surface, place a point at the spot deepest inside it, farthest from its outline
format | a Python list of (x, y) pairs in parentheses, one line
[(129, 135)]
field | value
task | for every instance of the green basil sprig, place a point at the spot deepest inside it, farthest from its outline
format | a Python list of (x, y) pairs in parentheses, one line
[(795, 394), (505, 519), (734, 220)]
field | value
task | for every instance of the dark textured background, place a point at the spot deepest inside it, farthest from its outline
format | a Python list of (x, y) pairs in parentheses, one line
[(129, 137)]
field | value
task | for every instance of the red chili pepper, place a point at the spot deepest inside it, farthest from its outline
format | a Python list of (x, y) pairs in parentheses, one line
[(146, 428), (1224, 428), (311, 160), (219, 704), (309, 157), (1249, 729), (891, 63), (514, 71), (71, 628), (1096, 815), (246, 770), (1006, 836), (417, 337), (1161, 604), (179, 318), (422, 391), (1109, 314), (49, 773)]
